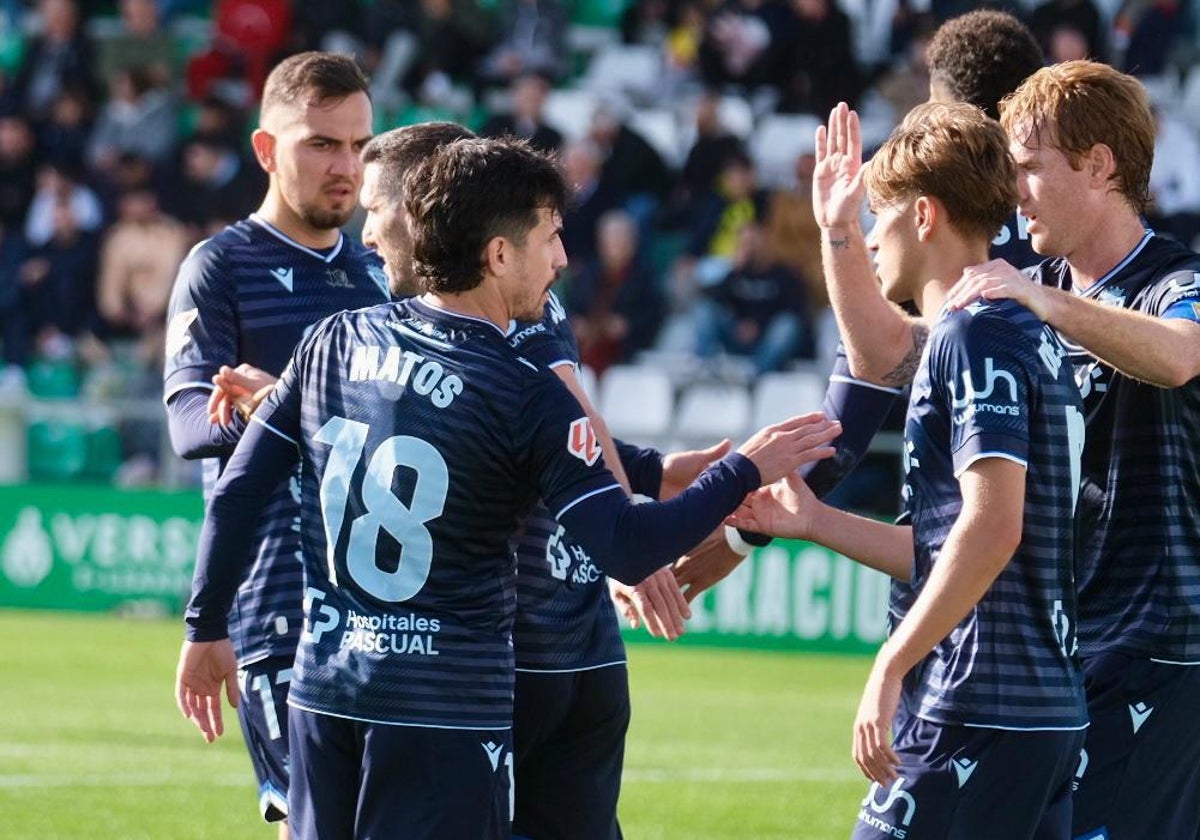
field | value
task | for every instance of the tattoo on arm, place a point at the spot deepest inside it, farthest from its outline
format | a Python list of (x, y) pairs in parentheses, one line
[(903, 373), (839, 244)]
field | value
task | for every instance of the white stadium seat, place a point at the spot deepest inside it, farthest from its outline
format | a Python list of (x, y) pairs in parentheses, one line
[(777, 142), (708, 412), (778, 396), (636, 402)]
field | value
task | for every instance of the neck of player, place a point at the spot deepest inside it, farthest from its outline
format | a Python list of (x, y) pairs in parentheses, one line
[(944, 266)]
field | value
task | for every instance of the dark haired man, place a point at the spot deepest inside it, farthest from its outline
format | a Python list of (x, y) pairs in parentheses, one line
[(423, 438), (246, 296)]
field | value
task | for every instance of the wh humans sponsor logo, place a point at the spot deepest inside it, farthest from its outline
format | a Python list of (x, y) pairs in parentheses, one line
[(895, 794), (973, 400)]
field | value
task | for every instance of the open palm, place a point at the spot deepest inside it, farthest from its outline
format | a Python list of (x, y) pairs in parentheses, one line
[(837, 180)]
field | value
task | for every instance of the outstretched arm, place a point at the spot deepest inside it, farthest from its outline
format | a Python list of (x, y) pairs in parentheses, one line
[(883, 343), (1164, 351)]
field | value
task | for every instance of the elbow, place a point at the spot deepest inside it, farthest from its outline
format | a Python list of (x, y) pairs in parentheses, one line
[(1180, 371)]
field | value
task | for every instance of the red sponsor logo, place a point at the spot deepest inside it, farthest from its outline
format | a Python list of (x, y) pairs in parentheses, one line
[(582, 443)]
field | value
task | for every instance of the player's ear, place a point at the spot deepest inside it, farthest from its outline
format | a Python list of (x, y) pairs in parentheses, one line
[(263, 143), (926, 213), (1100, 165), (497, 255)]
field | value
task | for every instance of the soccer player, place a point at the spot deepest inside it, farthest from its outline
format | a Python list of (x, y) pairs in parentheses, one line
[(993, 437), (571, 706), (423, 437), (978, 58), (246, 296), (1127, 303)]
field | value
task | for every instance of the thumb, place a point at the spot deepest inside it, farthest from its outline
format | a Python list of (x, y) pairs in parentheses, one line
[(231, 689), (719, 450)]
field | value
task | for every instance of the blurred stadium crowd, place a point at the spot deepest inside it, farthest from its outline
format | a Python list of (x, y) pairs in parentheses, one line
[(685, 128)]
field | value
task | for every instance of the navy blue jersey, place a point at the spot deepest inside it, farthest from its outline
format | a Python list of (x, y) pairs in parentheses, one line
[(248, 295), (1012, 243), (565, 619), (1139, 517), (994, 382), (413, 421)]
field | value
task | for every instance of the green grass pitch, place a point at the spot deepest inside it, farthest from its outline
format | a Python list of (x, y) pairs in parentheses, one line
[(724, 743)]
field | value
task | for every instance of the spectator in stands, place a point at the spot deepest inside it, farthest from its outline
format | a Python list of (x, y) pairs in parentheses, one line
[(614, 302), (57, 289), (18, 169), (451, 36), (60, 57), (61, 182), (64, 136), (140, 118), (681, 49), (735, 201), (1175, 180), (1150, 31), (527, 95), (12, 257), (823, 69), (758, 309), (141, 43), (792, 233), (713, 146), (216, 186), (646, 22), (632, 169), (528, 36), (741, 41), (590, 197), (906, 84), (141, 253), (1080, 16)]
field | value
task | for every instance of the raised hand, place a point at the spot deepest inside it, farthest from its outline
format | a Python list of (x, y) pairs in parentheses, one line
[(780, 448), (681, 468), (785, 509), (837, 180)]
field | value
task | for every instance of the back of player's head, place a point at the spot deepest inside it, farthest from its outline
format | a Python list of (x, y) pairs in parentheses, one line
[(952, 152), (981, 57), (311, 78), (466, 194), (401, 149), (1075, 105)]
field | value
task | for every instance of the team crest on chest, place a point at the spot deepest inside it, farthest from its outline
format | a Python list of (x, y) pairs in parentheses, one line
[(338, 279)]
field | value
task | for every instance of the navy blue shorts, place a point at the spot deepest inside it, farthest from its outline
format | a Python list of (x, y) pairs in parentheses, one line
[(968, 783), (569, 735), (1139, 774), (353, 780), (263, 714)]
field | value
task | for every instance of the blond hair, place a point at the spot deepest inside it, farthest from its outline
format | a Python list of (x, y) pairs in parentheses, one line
[(1075, 105), (952, 152)]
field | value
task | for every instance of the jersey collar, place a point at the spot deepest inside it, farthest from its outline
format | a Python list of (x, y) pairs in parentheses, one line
[(287, 240)]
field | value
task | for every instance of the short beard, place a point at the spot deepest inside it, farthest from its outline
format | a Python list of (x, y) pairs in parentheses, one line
[(325, 219)]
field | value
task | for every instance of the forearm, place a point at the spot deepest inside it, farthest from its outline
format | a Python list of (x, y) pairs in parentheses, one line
[(192, 434), (629, 541), (1163, 352), (883, 343), (257, 467), (878, 545)]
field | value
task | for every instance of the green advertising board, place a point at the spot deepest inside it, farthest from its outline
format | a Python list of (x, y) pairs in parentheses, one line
[(792, 595), (80, 547), (83, 547)]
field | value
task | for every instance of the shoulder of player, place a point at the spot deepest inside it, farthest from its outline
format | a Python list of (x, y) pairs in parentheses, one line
[(1003, 320)]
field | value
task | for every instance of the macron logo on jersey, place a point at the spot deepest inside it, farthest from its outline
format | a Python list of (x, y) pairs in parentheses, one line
[(284, 276), (582, 443)]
